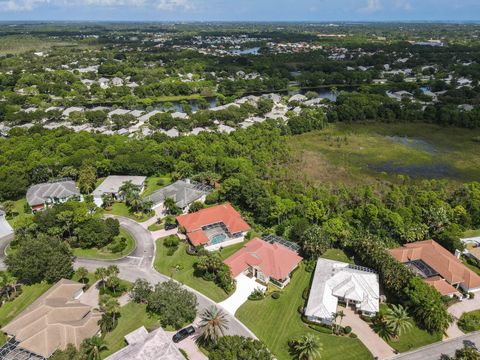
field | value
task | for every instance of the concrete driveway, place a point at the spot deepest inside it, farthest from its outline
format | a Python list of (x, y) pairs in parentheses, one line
[(377, 346), (245, 287), (460, 307)]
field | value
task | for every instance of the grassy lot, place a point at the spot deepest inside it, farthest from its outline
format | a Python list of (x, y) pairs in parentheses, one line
[(267, 316), (412, 338), (167, 265), (471, 233), (16, 44), (29, 294), (156, 227), (120, 209), (366, 153), (337, 255), (152, 184), (104, 253), (19, 214), (132, 316)]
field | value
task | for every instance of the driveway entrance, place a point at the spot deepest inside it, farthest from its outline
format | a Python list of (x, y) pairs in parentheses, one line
[(245, 287)]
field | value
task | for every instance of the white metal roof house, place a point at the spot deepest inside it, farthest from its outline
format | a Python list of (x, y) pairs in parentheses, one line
[(336, 281), (113, 183), (142, 345), (40, 196), (184, 192)]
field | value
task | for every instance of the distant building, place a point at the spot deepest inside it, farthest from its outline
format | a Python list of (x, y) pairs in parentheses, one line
[(50, 323), (214, 227), (335, 281), (40, 196), (142, 345), (183, 192), (112, 184), (438, 267)]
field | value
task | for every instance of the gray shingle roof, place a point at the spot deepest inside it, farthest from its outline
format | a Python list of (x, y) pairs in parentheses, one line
[(59, 190), (183, 192)]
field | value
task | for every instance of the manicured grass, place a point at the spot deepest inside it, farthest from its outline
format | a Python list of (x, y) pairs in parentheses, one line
[(19, 214), (277, 321), (151, 184), (469, 321), (471, 233), (104, 253), (471, 264), (413, 338), (364, 153), (167, 265), (120, 209), (156, 227), (337, 255), (132, 316), (29, 294), (89, 280)]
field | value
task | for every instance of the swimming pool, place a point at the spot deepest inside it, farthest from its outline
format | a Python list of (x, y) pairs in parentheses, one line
[(218, 238)]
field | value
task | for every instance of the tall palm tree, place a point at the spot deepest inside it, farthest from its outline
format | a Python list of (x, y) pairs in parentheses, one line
[(308, 347), (334, 318), (101, 274), (213, 323), (110, 307), (113, 270), (92, 347), (341, 315), (397, 319), (8, 283), (82, 274)]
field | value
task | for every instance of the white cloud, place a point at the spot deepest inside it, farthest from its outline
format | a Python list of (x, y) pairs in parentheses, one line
[(403, 4), (115, 2), (169, 5), (20, 5), (372, 6)]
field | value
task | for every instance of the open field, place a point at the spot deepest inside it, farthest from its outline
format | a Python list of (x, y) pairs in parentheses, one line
[(14, 44), (132, 316), (371, 152), (167, 265), (120, 209), (104, 253), (267, 316), (471, 233)]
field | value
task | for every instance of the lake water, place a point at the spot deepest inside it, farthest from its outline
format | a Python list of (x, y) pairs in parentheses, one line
[(249, 51), (413, 143)]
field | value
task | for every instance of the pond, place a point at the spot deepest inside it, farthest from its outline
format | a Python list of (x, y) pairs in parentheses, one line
[(249, 51), (413, 143), (212, 102)]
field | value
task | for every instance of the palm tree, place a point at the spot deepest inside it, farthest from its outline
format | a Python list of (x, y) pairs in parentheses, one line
[(107, 200), (397, 319), (381, 327), (308, 347), (113, 270), (82, 274), (101, 274), (110, 307), (92, 347), (8, 282), (171, 206), (341, 315), (128, 189), (113, 282), (135, 203), (334, 318), (213, 323)]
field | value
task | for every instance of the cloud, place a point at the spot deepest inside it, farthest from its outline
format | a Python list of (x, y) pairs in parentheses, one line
[(169, 5), (403, 4), (115, 2), (372, 6), (20, 5)]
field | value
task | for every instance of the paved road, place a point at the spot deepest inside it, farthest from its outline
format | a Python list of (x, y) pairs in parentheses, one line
[(4, 241), (440, 350), (139, 264)]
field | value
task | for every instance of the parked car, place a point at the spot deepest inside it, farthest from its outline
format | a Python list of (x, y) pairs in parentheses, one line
[(170, 226), (183, 334)]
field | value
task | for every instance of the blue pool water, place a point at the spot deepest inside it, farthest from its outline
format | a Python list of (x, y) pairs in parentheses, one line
[(217, 239)]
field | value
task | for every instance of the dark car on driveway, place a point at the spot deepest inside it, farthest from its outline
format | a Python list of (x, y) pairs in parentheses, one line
[(183, 334)]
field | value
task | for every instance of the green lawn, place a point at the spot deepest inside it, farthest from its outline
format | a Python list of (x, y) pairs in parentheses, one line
[(132, 316), (469, 321), (151, 184), (337, 255), (156, 227), (167, 264), (120, 209), (365, 153), (19, 214), (104, 253), (277, 321), (412, 338), (29, 294), (471, 233)]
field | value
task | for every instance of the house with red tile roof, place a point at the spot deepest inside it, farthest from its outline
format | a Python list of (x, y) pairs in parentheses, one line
[(214, 227), (268, 262), (438, 267)]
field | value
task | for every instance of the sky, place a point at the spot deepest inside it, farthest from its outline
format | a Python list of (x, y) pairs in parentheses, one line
[(241, 10)]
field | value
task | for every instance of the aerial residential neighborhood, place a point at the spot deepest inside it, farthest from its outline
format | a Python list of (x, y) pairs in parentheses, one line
[(239, 180)]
